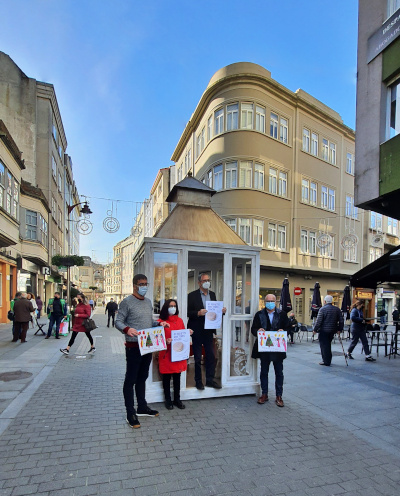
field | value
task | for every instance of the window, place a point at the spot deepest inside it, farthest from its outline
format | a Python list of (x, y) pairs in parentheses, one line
[(232, 116), (350, 254), (246, 116), (331, 200), (273, 125), (54, 168), (350, 164), (231, 223), (245, 174), (245, 230), (392, 226), (208, 178), (198, 146), (60, 151), (9, 180), (394, 109), (273, 173), (209, 129), (259, 176), (324, 197), (53, 247), (281, 237), (372, 223), (217, 179), (282, 184), (53, 208), (312, 242), (351, 210), (59, 218), (328, 250), (305, 190), (314, 144), (31, 220), (304, 241), (332, 153), (283, 130), (219, 121), (260, 119), (258, 231), (308, 242), (271, 235), (59, 182), (44, 232), (85, 284), (374, 253), (179, 175), (392, 6), (203, 138), (325, 149), (306, 140), (313, 193), (15, 209), (54, 131), (231, 175)]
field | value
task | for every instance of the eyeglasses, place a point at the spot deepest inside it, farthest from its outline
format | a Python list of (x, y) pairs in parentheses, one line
[(143, 284)]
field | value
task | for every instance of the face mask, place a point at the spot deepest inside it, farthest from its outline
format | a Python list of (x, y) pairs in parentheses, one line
[(269, 305), (206, 285), (172, 310), (142, 290)]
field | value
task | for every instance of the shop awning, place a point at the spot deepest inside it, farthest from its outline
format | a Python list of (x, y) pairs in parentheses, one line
[(385, 269)]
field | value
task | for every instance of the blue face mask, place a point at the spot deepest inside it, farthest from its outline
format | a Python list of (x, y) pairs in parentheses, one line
[(142, 290), (269, 305)]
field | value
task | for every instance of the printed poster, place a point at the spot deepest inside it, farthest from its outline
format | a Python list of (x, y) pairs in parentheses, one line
[(213, 317), (180, 345), (272, 341), (151, 340)]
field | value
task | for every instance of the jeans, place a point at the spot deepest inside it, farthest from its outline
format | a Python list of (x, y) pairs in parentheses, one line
[(203, 338), (74, 334), (359, 334), (111, 314), (176, 380), (325, 343), (57, 320), (137, 371), (278, 367)]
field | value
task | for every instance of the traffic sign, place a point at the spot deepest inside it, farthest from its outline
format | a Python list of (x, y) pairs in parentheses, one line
[(297, 291)]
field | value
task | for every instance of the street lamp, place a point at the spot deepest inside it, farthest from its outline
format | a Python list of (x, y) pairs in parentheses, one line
[(84, 210)]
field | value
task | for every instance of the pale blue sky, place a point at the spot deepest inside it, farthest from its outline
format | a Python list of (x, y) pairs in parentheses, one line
[(129, 74)]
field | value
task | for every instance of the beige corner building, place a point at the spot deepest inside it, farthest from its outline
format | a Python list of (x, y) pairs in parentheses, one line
[(282, 164)]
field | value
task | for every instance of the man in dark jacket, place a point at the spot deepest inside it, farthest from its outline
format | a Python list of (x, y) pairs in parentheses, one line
[(202, 337), (111, 308), (329, 321), (273, 320), (22, 316), (56, 310)]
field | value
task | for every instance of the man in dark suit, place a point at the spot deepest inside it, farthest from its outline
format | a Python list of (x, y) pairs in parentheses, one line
[(111, 308), (270, 319), (202, 337)]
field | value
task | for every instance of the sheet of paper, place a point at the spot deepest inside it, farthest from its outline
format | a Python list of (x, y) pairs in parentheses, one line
[(272, 341), (180, 345), (152, 339), (213, 317)]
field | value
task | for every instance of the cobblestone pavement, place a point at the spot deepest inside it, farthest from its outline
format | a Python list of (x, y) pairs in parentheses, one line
[(67, 436)]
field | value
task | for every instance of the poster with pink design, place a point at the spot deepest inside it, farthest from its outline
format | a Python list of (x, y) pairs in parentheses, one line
[(272, 341), (151, 340)]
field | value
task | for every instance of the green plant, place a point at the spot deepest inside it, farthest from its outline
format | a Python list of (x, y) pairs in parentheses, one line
[(68, 261)]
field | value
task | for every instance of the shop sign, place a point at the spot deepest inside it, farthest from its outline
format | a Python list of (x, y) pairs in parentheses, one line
[(297, 291), (384, 36), (46, 271), (364, 295)]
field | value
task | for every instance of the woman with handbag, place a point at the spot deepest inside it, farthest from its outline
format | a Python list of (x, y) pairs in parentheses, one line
[(82, 312)]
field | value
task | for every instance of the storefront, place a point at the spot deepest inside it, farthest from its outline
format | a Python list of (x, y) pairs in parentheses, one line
[(8, 287)]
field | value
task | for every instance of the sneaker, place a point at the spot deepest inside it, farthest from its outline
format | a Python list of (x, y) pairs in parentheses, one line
[(350, 356), (65, 351), (370, 359), (133, 421), (147, 412), (92, 350)]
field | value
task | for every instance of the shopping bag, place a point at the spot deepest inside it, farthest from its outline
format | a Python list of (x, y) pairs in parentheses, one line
[(64, 329)]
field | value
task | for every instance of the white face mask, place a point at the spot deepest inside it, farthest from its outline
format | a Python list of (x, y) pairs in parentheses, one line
[(172, 310), (206, 285)]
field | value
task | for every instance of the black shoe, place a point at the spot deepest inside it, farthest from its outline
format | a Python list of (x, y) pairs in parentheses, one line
[(47, 337), (370, 359), (199, 385), (108, 325), (14, 340), (169, 405), (65, 351), (179, 404), (326, 365), (213, 384), (57, 337), (133, 421), (147, 412), (92, 350), (350, 356)]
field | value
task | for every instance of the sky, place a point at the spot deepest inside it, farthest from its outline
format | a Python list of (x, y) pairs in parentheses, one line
[(129, 74)]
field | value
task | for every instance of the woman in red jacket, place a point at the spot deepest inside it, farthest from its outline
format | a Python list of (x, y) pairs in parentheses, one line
[(169, 313), (82, 312)]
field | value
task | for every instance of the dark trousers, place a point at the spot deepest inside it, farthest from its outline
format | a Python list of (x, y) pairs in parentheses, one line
[(137, 371), (74, 334), (111, 314), (57, 320), (176, 380), (325, 343), (203, 338), (278, 367), (359, 334), (19, 330)]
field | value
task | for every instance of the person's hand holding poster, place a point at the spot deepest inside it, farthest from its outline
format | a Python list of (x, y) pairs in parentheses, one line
[(213, 317), (180, 345), (151, 340)]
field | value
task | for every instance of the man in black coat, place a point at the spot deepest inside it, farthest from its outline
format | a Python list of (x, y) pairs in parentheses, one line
[(111, 308), (329, 321), (273, 320), (202, 337)]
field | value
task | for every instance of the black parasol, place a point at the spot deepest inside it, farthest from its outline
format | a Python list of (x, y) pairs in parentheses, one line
[(285, 303), (316, 303), (346, 303)]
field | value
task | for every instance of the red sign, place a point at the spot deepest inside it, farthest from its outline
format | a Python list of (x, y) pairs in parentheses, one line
[(297, 291)]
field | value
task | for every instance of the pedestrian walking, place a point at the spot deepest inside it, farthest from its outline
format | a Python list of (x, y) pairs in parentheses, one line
[(329, 321), (135, 313), (39, 304), (358, 331), (31, 298), (22, 316), (56, 311), (82, 312), (111, 308), (170, 314)]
